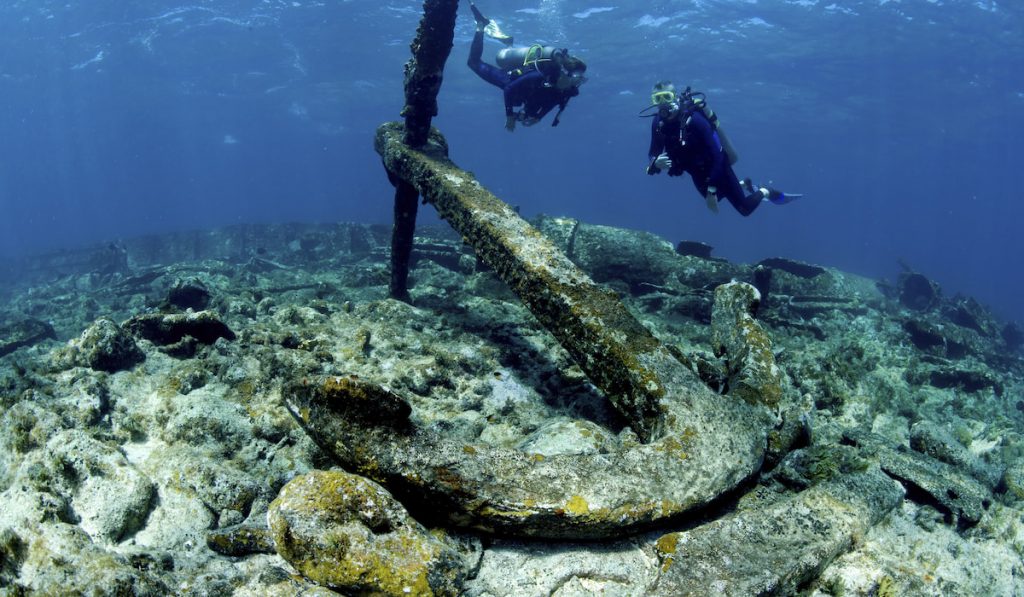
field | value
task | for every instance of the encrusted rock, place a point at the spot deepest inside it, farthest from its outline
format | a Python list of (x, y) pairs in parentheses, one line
[(917, 292), (965, 379), (775, 548), (201, 420), (366, 401), (109, 495), (608, 569), (1014, 480), (12, 554), (103, 346), (348, 533), (241, 540), (188, 293), (938, 442), (170, 328), (634, 257), (925, 336), (753, 374), (797, 268), (694, 248), (55, 557), (929, 481)]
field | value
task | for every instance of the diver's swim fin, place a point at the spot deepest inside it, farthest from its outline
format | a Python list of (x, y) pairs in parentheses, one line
[(780, 198), (481, 20), (493, 32), (489, 27)]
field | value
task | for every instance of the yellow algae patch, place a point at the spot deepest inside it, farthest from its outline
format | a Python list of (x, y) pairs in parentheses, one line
[(577, 505), (667, 545)]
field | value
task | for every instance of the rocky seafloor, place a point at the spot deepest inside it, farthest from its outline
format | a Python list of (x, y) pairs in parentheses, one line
[(146, 447)]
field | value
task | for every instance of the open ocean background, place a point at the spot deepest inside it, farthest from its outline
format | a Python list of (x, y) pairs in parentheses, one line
[(902, 122)]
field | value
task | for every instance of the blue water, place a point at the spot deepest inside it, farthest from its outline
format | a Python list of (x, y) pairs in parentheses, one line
[(902, 121)]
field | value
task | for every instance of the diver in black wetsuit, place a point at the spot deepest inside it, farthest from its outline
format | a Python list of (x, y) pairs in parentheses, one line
[(685, 138), (538, 78)]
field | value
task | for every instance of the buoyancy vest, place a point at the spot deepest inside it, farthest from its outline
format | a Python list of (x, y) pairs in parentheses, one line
[(695, 101)]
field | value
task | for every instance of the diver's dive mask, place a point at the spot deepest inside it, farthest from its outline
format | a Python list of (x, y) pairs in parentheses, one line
[(659, 98), (570, 80), (666, 103)]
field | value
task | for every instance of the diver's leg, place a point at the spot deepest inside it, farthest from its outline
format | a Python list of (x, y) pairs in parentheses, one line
[(492, 74), (476, 50), (743, 202)]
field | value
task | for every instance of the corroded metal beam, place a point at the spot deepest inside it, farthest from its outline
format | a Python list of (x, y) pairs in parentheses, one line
[(406, 205), (423, 75), (425, 71)]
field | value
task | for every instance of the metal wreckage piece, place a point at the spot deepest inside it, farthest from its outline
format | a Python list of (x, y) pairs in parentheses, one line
[(694, 444)]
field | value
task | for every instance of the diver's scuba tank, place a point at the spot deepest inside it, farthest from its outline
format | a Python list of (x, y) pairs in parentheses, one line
[(697, 101), (520, 60)]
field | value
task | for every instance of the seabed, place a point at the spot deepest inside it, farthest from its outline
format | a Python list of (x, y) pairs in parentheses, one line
[(147, 448)]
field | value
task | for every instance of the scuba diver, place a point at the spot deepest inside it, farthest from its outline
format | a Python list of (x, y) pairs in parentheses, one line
[(538, 78), (686, 137)]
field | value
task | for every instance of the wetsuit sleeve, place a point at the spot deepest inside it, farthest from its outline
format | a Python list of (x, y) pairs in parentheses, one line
[(566, 96), (657, 139)]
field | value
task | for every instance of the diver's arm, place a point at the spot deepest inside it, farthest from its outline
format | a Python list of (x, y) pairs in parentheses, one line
[(566, 96), (657, 139), (657, 146)]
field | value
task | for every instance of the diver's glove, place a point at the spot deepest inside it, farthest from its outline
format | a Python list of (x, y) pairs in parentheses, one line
[(662, 162), (510, 122), (711, 198)]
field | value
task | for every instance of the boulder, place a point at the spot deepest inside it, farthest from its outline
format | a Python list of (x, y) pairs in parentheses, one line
[(918, 293), (109, 496), (694, 248), (103, 346), (188, 293), (776, 547), (928, 481), (753, 374), (171, 328), (938, 442), (348, 533)]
